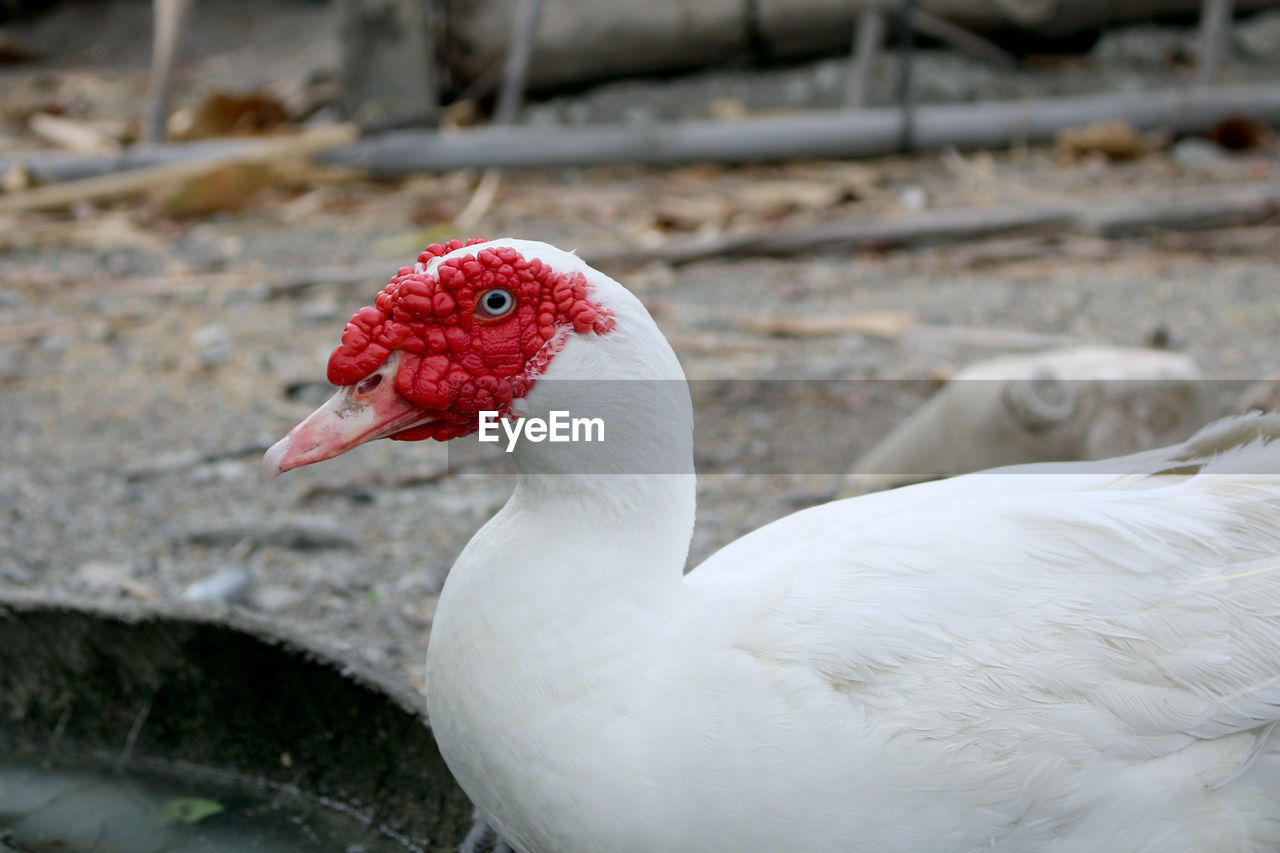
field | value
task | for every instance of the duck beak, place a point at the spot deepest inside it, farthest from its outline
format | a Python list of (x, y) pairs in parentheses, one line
[(367, 410)]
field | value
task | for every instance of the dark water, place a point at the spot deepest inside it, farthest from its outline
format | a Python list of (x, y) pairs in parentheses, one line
[(64, 809)]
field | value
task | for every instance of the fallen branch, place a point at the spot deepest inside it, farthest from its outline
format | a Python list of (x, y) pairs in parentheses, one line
[(941, 226), (71, 135), (1248, 239), (1007, 338), (143, 180), (888, 324), (1204, 208), (1221, 208), (892, 325)]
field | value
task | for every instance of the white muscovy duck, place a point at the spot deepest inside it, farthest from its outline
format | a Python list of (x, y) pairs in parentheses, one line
[(1078, 657)]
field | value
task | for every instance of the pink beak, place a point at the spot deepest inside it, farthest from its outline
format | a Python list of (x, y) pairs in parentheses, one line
[(370, 409)]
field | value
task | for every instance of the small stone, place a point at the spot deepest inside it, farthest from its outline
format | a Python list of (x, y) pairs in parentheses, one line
[(213, 343), (636, 115), (106, 576), (361, 495), (164, 463), (727, 109), (228, 586), (1160, 337), (222, 471), (829, 76), (15, 573), (1259, 36), (1194, 151), (101, 573), (914, 198), (118, 264), (17, 178), (272, 599), (53, 343)]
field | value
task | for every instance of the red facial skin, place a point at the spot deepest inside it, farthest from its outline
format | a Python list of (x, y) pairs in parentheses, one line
[(453, 357)]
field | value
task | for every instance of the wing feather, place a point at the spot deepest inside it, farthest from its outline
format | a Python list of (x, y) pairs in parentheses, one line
[(1126, 608)]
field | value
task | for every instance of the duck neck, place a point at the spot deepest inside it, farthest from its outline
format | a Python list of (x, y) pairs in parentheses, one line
[(574, 578), (628, 533), (568, 545), (595, 529)]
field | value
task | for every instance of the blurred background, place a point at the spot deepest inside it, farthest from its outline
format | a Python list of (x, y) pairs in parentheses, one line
[(198, 193)]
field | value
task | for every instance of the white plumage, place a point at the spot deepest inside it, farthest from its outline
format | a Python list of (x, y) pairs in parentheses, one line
[(1070, 658)]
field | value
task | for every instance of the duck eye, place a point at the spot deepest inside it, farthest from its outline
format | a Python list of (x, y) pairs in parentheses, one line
[(495, 303)]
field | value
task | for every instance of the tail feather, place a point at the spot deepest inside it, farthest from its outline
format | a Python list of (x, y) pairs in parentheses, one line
[(1237, 445)]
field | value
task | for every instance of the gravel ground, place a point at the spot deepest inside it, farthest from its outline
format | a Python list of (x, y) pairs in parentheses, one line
[(136, 419), (145, 362)]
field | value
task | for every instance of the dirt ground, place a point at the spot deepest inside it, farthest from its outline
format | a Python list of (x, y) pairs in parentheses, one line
[(147, 359)]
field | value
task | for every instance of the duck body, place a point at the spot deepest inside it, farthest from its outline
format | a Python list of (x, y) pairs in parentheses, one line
[(1006, 691), (1064, 658)]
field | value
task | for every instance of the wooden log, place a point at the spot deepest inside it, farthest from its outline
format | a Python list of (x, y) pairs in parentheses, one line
[(581, 40), (585, 40), (388, 62)]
